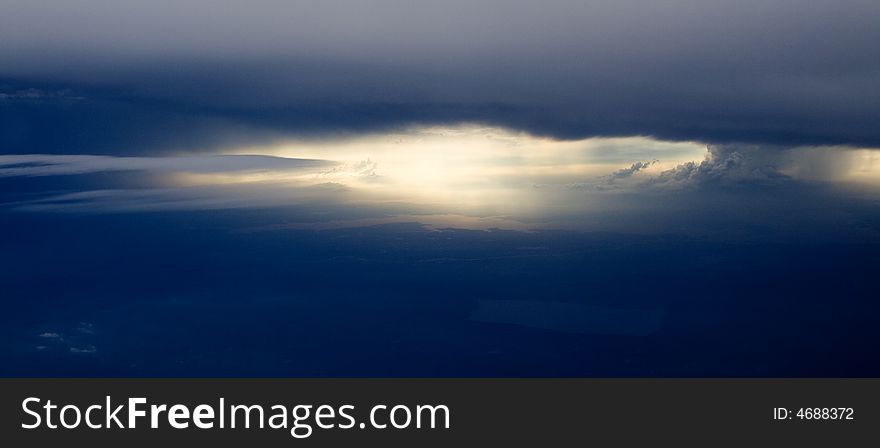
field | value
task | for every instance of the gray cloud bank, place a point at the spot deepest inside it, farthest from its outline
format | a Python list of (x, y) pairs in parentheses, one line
[(196, 74)]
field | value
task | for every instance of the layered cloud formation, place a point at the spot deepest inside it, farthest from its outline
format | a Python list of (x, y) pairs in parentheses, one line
[(482, 178), (96, 76)]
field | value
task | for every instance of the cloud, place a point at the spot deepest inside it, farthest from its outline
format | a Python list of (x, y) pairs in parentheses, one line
[(78, 341), (715, 71), (612, 180), (633, 169), (464, 179), (726, 164), (54, 165), (88, 349), (35, 95), (626, 173), (730, 164)]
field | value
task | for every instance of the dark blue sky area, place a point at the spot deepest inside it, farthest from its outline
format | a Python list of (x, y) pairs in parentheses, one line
[(191, 294)]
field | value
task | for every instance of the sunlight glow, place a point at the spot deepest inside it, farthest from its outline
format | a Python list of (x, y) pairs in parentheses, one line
[(475, 166)]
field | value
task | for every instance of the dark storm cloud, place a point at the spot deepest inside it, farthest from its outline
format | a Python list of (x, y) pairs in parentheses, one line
[(197, 74)]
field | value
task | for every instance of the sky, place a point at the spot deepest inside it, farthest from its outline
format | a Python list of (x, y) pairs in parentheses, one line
[(481, 188), (195, 75)]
